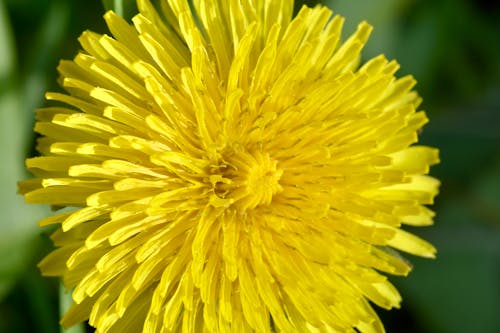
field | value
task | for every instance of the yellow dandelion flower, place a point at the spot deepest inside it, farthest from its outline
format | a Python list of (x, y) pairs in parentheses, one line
[(231, 169)]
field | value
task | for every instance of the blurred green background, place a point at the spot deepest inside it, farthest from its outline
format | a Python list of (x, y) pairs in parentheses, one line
[(452, 47)]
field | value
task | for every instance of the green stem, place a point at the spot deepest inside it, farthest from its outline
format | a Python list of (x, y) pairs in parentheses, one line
[(124, 8), (8, 58), (65, 302)]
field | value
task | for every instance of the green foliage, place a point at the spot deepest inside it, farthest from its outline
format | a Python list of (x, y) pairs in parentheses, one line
[(124, 8), (18, 231)]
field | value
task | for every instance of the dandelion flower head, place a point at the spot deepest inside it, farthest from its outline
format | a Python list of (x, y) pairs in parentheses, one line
[(230, 169)]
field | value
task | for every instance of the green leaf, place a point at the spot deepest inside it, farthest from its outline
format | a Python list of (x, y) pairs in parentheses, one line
[(39, 301), (44, 57), (18, 223), (125, 8), (8, 58)]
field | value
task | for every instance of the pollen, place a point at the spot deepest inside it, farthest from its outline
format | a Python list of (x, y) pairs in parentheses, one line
[(255, 179)]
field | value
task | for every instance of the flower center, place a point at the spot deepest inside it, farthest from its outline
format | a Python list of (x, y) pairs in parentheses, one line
[(251, 179)]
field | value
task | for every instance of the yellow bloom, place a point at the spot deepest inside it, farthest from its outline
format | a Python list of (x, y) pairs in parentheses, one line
[(231, 170)]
